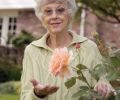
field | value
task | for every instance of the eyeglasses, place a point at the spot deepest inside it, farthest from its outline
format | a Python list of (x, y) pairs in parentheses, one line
[(58, 11)]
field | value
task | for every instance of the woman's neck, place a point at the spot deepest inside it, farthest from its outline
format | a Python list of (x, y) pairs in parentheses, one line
[(59, 40)]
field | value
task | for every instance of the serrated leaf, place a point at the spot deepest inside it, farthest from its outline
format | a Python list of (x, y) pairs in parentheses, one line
[(70, 82)]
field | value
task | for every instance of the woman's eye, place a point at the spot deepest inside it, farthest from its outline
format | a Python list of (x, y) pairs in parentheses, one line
[(47, 12), (60, 10)]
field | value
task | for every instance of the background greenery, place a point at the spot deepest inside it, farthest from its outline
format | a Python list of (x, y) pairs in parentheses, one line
[(10, 74), (103, 9), (9, 97)]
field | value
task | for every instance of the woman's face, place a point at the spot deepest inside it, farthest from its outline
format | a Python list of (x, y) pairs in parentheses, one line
[(55, 17)]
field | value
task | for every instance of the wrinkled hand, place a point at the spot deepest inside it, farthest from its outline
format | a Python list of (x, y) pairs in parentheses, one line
[(40, 89), (105, 90)]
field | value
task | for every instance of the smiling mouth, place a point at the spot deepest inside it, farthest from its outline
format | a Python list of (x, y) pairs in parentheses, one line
[(55, 24)]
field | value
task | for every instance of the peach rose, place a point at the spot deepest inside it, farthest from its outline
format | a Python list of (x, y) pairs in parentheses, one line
[(60, 61)]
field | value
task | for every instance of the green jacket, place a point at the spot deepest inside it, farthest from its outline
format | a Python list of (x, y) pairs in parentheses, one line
[(36, 66)]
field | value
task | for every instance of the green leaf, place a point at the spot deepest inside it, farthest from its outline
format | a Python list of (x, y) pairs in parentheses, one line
[(115, 61), (81, 67), (94, 75), (83, 98), (113, 75), (98, 71), (87, 94), (94, 94), (85, 88), (98, 7), (79, 93), (112, 98), (70, 82)]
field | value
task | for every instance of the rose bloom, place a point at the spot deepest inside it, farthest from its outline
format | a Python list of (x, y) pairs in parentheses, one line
[(60, 61)]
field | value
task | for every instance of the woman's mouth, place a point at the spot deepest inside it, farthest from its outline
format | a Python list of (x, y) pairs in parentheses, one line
[(55, 24)]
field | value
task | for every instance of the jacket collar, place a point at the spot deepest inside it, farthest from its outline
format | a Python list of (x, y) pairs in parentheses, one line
[(42, 41)]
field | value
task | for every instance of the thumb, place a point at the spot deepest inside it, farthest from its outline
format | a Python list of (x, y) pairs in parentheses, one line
[(34, 82)]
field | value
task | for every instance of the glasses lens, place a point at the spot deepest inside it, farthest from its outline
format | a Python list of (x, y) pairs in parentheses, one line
[(60, 10), (47, 12)]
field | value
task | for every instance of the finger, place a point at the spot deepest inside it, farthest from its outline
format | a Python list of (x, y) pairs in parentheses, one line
[(42, 90), (94, 99), (109, 93), (34, 82), (114, 92), (99, 89), (47, 88), (41, 87), (53, 89), (104, 89)]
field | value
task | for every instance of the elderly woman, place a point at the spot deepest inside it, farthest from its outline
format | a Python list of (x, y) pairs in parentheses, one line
[(37, 82)]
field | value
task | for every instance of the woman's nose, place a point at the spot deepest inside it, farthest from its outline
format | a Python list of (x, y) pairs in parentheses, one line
[(54, 14)]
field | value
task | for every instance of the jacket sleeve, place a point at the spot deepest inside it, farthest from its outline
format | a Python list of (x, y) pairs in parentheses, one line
[(27, 74)]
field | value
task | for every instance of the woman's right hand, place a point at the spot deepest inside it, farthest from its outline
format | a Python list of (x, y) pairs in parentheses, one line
[(43, 90)]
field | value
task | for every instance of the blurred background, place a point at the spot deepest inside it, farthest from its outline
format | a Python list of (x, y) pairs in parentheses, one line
[(19, 26)]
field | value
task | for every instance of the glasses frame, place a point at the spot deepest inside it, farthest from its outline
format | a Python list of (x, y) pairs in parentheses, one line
[(58, 11)]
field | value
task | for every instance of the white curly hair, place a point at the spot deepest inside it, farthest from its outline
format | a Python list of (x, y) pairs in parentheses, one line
[(71, 4)]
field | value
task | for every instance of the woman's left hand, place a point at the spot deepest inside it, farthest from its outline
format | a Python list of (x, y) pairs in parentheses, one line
[(105, 89)]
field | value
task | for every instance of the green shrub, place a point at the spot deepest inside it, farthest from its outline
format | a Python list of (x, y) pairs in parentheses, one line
[(4, 75), (23, 39), (11, 87), (15, 74), (8, 73)]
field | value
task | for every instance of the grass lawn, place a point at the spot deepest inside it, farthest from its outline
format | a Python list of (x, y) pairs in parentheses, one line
[(9, 97)]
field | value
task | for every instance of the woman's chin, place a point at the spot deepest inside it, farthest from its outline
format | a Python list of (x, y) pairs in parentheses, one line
[(56, 31)]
